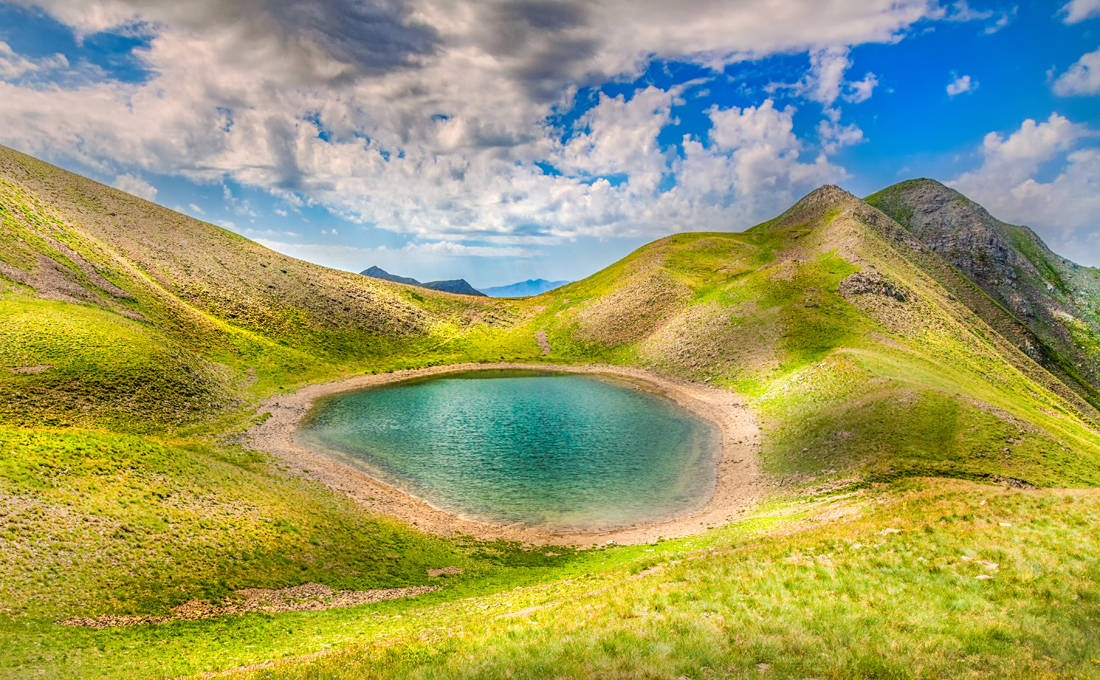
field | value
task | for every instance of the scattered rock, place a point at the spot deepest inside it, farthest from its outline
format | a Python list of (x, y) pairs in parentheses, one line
[(863, 283), (1011, 481), (13, 273), (131, 314), (89, 270), (54, 281)]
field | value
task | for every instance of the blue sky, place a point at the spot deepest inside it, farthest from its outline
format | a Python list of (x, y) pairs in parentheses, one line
[(500, 141)]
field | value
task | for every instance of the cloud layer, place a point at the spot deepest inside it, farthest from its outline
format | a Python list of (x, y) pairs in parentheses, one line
[(502, 128), (1076, 11), (429, 117)]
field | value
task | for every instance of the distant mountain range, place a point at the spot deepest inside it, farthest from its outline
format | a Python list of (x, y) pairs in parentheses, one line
[(460, 286), (523, 288)]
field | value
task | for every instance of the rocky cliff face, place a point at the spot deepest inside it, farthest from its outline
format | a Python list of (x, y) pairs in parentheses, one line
[(1058, 299)]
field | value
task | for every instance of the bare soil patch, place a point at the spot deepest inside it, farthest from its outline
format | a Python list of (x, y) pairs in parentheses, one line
[(544, 344), (38, 368), (444, 571)]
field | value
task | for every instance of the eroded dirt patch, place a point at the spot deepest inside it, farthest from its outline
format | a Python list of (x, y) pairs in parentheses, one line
[(39, 368), (444, 571), (544, 344)]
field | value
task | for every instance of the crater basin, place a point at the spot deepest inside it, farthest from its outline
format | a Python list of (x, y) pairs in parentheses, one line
[(571, 452)]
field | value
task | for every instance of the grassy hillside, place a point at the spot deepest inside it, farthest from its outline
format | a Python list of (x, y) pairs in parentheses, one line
[(844, 332), (931, 581), (209, 321), (136, 343)]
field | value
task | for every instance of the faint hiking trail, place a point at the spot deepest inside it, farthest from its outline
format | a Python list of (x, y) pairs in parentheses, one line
[(306, 597), (544, 344)]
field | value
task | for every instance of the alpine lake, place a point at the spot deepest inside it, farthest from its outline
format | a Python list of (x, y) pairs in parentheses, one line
[(560, 451)]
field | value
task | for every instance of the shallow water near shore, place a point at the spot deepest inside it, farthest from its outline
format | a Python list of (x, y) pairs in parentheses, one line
[(558, 451)]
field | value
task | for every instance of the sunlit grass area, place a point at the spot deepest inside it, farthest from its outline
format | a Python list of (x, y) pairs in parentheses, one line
[(925, 579)]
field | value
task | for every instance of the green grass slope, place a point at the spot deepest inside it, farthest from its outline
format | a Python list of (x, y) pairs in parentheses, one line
[(932, 581), (204, 320), (848, 337), (136, 342)]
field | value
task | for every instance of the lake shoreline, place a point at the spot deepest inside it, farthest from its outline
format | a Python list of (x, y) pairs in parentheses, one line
[(737, 477)]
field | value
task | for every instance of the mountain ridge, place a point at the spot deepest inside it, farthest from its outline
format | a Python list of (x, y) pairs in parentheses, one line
[(456, 286), (523, 288), (1058, 300)]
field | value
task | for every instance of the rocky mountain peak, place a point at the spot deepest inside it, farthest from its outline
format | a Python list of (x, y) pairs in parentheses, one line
[(815, 204), (1010, 263)]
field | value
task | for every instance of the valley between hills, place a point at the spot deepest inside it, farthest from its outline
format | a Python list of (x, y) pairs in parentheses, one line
[(919, 383)]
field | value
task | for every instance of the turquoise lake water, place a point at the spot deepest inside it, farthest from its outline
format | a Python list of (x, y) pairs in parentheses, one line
[(562, 451)]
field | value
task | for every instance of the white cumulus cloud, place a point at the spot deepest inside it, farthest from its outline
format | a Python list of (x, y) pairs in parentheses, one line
[(860, 90), (135, 185), (835, 136), (1076, 11), (960, 85), (13, 66), (1083, 77), (826, 80)]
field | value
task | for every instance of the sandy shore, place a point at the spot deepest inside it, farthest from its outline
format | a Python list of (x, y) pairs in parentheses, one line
[(738, 483)]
